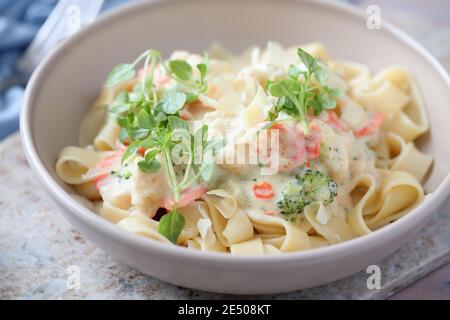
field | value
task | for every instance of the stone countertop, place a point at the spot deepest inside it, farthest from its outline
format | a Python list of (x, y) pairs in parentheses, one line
[(38, 248)]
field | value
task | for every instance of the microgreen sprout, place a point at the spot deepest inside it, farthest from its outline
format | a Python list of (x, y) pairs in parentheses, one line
[(150, 120)]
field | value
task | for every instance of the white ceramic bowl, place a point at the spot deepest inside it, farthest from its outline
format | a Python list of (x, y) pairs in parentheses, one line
[(67, 82)]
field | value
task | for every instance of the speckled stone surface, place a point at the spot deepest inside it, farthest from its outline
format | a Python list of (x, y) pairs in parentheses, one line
[(37, 246)]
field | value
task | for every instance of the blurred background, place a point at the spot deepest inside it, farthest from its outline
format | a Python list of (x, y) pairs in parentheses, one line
[(29, 29)]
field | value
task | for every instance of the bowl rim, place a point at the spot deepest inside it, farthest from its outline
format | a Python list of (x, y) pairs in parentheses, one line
[(98, 223)]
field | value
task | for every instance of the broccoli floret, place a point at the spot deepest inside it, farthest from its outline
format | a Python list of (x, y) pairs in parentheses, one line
[(311, 186), (291, 200), (317, 187)]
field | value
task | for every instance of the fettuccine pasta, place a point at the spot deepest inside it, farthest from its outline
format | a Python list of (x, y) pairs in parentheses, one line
[(297, 150)]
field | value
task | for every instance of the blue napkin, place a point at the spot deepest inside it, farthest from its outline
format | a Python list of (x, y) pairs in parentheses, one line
[(20, 20)]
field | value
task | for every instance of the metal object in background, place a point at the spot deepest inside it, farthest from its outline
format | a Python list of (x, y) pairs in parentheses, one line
[(67, 17)]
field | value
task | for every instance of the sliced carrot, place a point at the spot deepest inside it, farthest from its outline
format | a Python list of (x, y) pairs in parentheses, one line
[(371, 126), (263, 190), (141, 151), (308, 163), (106, 162), (100, 179), (333, 120), (185, 115), (313, 140), (187, 197)]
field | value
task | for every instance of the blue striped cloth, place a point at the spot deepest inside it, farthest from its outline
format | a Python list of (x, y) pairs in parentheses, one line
[(19, 22)]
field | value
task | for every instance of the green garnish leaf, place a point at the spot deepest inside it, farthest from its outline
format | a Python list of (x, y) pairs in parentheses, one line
[(138, 133), (173, 101), (150, 164), (181, 69), (160, 116), (183, 138), (326, 100), (145, 120), (133, 147), (120, 108), (294, 72), (336, 92), (149, 118), (122, 97), (214, 145), (316, 106), (182, 72), (120, 73), (177, 123), (124, 121), (201, 135), (283, 88), (207, 167), (120, 103), (321, 75), (170, 225), (308, 60), (297, 97), (202, 69), (123, 135), (190, 97), (273, 114)]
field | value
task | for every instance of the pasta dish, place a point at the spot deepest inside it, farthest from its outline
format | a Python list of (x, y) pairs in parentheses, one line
[(270, 151)]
